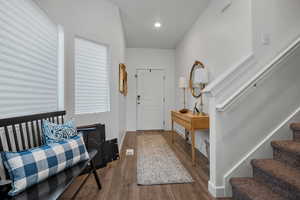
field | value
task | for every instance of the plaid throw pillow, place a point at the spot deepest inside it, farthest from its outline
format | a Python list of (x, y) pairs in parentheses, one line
[(29, 167), (57, 132)]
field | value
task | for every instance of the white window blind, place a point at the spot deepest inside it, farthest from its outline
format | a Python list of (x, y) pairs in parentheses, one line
[(28, 59), (91, 77)]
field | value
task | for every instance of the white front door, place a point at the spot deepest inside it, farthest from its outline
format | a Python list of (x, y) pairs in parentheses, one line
[(150, 99)]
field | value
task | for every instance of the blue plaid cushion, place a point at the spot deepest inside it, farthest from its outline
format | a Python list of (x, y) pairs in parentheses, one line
[(58, 132), (29, 167)]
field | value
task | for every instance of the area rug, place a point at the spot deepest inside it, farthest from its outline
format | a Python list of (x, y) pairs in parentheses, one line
[(157, 163)]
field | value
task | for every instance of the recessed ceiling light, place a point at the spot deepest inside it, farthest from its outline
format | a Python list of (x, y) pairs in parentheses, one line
[(157, 24)]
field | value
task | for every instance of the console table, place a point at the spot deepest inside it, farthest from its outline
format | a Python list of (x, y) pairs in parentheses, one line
[(190, 122)]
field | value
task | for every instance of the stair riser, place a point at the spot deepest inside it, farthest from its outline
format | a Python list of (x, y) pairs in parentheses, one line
[(291, 159), (236, 195), (296, 135), (278, 186)]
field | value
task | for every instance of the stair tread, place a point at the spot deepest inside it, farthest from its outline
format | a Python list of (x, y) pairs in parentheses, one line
[(295, 126), (279, 171), (287, 145), (254, 190)]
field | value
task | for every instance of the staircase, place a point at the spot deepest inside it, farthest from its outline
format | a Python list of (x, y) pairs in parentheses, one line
[(273, 179)]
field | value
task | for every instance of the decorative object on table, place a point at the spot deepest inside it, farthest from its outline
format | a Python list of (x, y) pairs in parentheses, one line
[(198, 81), (53, 132), (123, 85), (184, 110), (196, 110), (157, 163), (29, 167), (183, 85)]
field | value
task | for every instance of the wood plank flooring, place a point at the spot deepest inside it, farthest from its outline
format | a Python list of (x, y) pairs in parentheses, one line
[(119, 179)]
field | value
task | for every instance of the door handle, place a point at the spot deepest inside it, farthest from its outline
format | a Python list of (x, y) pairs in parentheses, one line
[(138, 99)]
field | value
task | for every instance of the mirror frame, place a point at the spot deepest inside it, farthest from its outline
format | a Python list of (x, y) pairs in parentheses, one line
[(123, 85), (195, 66)]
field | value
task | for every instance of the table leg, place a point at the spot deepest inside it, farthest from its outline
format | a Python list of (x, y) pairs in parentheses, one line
[(186, 135), (193, 147), (172, 132)]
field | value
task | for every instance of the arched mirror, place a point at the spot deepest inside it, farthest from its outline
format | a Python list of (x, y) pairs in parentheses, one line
[(198, 79)]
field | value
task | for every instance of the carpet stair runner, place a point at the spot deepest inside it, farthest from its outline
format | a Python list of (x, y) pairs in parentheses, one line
[(273, 179)]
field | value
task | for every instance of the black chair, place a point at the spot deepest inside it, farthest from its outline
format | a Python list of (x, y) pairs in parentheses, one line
[(30, 127)]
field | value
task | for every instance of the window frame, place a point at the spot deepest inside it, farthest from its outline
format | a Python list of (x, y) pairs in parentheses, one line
[(60, 65), (109, 73), (61, 68)]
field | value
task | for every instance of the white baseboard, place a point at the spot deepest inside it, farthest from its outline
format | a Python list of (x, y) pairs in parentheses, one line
[(216, 191), (262, 150)]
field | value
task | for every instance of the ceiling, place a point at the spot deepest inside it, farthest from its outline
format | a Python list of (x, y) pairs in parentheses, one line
[(176, 16)]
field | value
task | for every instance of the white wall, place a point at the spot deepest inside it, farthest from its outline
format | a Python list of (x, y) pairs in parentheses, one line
[(278, 19), (154, 58), (236, 133), (99, 21), (218, 39), (254, 117), (221, 40), (281, 24)]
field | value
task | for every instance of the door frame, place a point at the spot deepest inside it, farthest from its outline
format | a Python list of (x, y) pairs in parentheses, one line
[(164, 92)]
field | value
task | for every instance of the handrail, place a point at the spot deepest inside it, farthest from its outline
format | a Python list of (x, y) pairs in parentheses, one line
[(252, 84), (225, 79)]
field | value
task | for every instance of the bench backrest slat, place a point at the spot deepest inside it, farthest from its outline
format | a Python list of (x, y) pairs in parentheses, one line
[(22, 136), (20, 133), (15, 137), (28, 136), (7, 138)]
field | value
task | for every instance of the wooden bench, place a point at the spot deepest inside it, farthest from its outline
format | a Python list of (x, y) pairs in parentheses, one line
[(20, 133)]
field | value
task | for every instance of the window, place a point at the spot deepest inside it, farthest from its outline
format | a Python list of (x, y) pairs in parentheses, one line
[(29, 60), (91, 77)]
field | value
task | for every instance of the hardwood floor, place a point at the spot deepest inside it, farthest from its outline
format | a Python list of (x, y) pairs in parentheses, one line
[(119, 179)]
